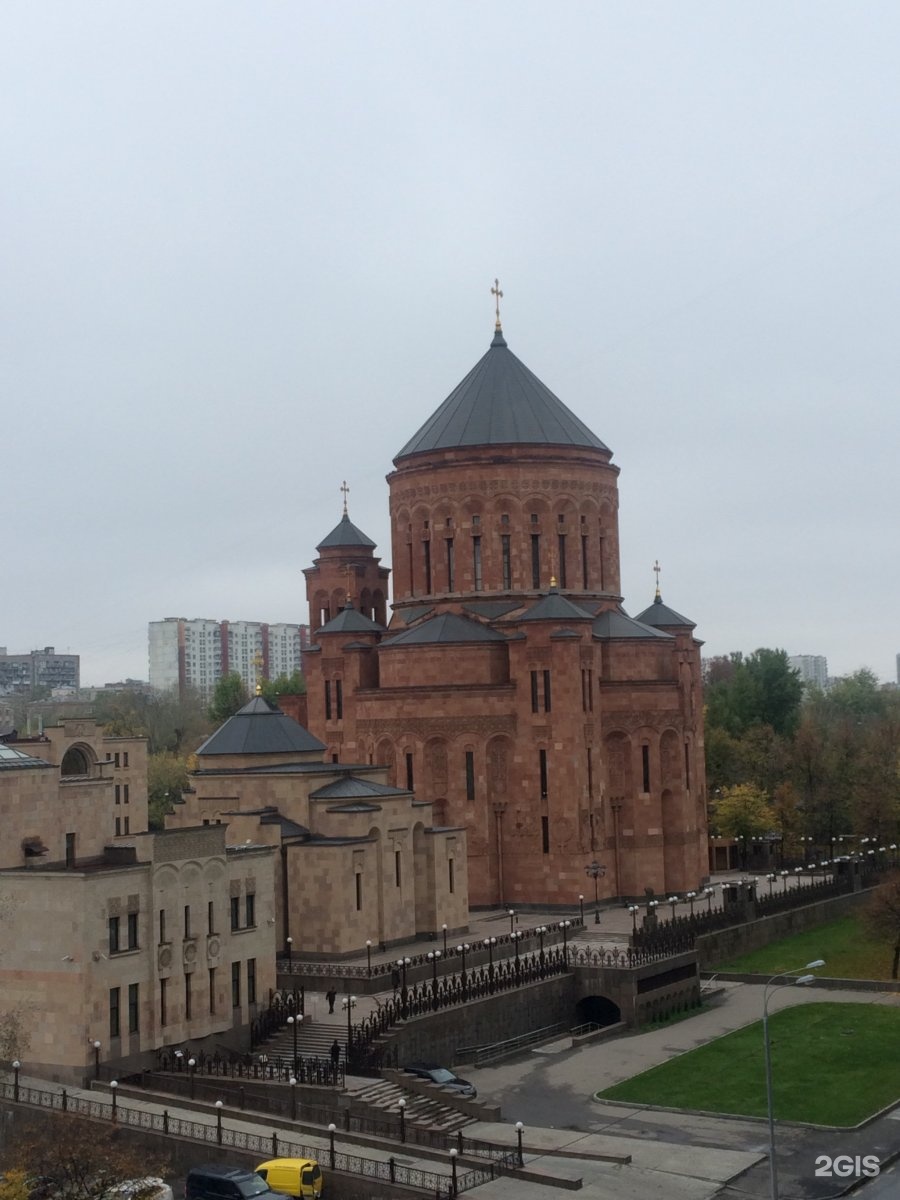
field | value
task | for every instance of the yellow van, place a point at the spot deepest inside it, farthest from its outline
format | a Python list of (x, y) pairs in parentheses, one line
[(293, 1176)]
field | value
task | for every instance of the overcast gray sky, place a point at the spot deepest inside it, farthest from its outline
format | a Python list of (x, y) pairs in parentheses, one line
[(247, 249)]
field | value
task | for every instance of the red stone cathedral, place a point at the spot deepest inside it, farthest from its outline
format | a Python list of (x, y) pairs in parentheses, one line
[(509, 687)]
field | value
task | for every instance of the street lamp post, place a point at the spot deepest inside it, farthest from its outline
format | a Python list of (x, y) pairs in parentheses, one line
[(512, 920), (192, 1066), (564, 926), (540, 931), (517, 937), (444, 932), (403, 963), (331, 1128), (691, 896), (401, 1104), (433, 956), (520, 1128), (490, 942), (786, 977), (596, 872), (673, 900), (633, 909), (454, 1190), (17, 1066), (581, 905), (113, 1084), (290, 951), (294, 1022), (96, 1060), (219, 1107), (369, 957), (293, 1083), (461, 950), (349, 1003)]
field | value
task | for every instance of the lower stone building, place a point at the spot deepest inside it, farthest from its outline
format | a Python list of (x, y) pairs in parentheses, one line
[(358, 859), (112, 948)]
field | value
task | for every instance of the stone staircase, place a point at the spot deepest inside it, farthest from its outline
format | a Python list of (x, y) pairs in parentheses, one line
[(314, 1040), (425, 1111)]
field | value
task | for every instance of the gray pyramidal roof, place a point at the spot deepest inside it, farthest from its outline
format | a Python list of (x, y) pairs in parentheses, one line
[(500, 403), (345, 533), (260, 728), (613, 623), (349, 620), (447, 629), (660, 614), (554, 607)]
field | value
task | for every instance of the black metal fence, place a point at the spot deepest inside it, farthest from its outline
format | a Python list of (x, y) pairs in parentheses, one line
[(550, 934), (277, 1068), (432, 1183)]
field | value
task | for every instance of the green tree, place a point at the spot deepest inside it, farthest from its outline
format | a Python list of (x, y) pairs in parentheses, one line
[(283, 685), (229, 696), (761, 689), (169, 721), (167, 778), (743, 812)]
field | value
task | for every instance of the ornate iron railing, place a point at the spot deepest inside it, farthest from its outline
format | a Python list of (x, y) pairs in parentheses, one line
[(277, 1068), (461, 1179)]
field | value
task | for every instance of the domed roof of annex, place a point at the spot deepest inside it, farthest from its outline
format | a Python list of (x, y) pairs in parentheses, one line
[(500, 403)]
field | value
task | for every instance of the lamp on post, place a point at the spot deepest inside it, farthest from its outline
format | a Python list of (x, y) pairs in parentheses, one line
[(369, 957), (294, 1023), (512, 920), (517, 937), (290, 951), (633, 909), (490, 942), (192, 1066), (461, 950), (17, 1066), (581, 905), (786, 977), (433, 956), (331, 1128), (219, 1106), (96, 1060), (691, 897), (401, 1104), (540, 931), (349, 1003), (520, 1129), (293, 1083), (596, 872), (673, 900), (444, 932), (454, 1186), (113, 1084), (564, 926), (403, 963)]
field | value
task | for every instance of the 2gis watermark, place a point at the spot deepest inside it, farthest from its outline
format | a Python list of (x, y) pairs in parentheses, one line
[(847, 1166)]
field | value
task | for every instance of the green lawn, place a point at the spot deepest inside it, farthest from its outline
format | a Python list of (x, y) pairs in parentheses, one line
[(832, 1064), (849, 953)]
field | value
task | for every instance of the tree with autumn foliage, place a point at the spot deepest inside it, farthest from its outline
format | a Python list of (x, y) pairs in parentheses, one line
[(82, 1160)]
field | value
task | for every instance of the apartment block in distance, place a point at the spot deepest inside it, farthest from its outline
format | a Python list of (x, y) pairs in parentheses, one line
[(196, 654), (812, 668), (38, 669)]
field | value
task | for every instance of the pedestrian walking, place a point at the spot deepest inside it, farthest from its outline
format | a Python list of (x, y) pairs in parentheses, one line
[(335, 1053), (331, 996)]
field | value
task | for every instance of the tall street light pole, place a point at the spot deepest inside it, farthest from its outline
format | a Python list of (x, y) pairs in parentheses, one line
[(433, 956), (786, 977), (596, 872), (490, 943), (403, 963), (369, 957), (349, 1003), (461, 950)]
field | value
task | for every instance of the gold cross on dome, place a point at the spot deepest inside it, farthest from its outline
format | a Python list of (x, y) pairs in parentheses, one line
[(346, 492), (498, 296), (656, 569)]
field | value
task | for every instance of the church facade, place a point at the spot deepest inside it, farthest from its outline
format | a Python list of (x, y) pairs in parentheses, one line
[(509, 687)]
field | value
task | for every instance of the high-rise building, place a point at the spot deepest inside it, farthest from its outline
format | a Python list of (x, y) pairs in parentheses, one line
[(38, 669), (196, 654), (812, 668)]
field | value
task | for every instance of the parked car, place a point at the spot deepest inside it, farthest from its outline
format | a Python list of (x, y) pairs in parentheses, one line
[(217, 1181), (443, 1077), (293, 1176)]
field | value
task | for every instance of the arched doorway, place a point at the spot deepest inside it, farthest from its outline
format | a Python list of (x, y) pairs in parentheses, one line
[(598, 1010)]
